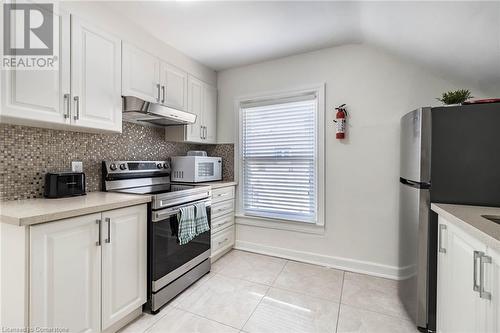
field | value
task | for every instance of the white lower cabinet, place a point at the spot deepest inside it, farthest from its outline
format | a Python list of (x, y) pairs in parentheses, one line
[(468, 284), (222, 230), (222, 242), (65, 283), (89, 272), (492, 284), (123, 263)]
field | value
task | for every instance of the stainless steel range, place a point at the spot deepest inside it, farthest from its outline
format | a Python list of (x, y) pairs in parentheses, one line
[(171, 267)]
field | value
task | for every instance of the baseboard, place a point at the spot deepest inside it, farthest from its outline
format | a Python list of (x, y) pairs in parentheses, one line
[(357, 266)]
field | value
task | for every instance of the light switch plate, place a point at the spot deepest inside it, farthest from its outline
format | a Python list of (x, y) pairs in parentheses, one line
[(77, 166)]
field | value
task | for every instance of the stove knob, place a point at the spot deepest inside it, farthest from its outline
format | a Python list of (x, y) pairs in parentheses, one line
[(166, 166), (123, 166), (112, 167), (159, 165)]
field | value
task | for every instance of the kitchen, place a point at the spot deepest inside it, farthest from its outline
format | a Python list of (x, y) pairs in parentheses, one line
[(331, 259)]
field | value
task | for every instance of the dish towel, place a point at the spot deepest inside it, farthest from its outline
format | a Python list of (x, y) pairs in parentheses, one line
[(201, 218), (187, 224)]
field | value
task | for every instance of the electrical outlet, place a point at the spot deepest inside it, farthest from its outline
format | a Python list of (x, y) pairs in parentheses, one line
[(77, 166)]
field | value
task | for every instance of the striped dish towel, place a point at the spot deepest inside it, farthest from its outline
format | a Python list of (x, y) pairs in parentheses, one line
[(187, 224), (201, 218)]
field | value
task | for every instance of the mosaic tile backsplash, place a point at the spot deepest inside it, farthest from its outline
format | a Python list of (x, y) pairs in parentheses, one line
[(27, 153)]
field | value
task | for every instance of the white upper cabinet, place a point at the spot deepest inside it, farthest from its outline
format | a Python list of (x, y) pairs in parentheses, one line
[(174, 87), (210, 114), (65, 272), (31, 97), (194, 132), (202, 101), (83, 93), (149, 78), (96, 77), (124, 262), (140, 74)]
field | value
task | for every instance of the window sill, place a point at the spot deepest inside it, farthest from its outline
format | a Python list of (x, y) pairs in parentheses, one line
[(270, 223)]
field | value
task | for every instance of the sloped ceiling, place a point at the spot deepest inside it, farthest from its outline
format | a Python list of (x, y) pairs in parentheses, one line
[(459, 39)]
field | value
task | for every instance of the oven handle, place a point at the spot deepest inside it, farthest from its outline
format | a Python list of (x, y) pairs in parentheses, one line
[(167, 212)]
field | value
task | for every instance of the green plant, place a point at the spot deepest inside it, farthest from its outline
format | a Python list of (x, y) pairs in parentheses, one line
[(455, 97)]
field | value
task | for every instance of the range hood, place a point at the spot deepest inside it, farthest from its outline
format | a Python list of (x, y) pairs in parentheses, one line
[(139, 111)]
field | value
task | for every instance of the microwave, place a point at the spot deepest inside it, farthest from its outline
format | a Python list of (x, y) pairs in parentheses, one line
[(196, 169)]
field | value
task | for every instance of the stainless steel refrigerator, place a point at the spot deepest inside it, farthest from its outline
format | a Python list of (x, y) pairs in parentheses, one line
[(448, 155)]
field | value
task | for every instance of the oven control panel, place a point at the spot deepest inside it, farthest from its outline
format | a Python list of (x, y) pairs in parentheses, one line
[(123, 167)]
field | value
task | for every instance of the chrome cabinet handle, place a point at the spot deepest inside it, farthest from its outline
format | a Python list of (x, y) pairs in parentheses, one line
[(158, 87), (201, 132), (163, 94), (98, 222), (77, 107), (441, 228), (483, 259), (222, 242), (205, 132), (222, 223), (108, 220), (475, 285), (66, 105)]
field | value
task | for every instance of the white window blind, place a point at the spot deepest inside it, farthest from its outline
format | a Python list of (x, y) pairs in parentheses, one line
[(279, 150)]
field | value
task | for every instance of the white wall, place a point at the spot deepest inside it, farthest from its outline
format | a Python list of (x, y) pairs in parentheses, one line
[(362, 178), (100, 15)]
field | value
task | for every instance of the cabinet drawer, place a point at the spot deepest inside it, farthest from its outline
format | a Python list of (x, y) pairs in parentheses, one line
[(222, 240), (221, 208), (222, 222), (223, 193)]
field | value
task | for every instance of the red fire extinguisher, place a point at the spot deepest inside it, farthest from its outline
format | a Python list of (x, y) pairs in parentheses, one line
[(340, 121)]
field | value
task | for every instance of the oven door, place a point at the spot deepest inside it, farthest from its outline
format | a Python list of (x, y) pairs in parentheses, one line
[(169, 259)]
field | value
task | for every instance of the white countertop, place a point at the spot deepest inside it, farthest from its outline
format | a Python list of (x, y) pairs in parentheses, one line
[(469, 217), (33, 211), (216, 184)]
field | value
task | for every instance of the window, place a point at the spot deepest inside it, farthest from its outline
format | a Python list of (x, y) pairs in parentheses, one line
[(279, 147)]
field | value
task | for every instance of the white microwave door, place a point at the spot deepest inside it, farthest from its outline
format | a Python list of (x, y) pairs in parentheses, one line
[(207, 170)]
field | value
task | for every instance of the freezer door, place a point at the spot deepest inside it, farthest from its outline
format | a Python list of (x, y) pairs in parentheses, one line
[(415, 145), (413, 255), (466, 155)]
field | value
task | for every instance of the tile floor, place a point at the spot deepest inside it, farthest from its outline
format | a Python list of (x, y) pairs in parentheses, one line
[(253, 293)]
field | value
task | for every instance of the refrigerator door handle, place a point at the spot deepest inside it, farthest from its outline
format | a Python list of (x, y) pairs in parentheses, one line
[(420, 185)]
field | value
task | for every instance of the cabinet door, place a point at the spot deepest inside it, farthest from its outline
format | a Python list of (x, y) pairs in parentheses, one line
[(96, 77), (195, 105), (492, 285), (140, 74), (174, 84), (65, 274), (442, 276), (464, 308), (124, 262), (210, 113), (39, 97)]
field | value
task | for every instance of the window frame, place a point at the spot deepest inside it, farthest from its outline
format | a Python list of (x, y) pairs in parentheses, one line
[(272, 222)]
